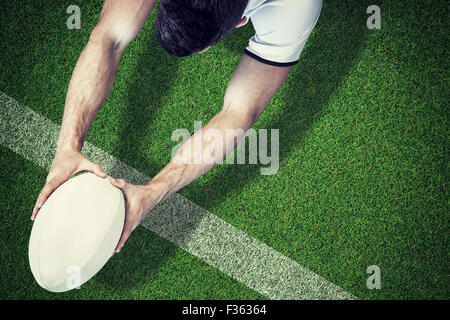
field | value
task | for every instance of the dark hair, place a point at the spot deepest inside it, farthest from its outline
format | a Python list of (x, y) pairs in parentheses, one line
[(184, 27)]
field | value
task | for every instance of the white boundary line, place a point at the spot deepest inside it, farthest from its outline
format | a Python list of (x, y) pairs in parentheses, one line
[(178, 220)]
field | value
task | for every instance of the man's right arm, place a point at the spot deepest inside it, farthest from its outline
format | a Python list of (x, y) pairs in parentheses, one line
[(92, 80)]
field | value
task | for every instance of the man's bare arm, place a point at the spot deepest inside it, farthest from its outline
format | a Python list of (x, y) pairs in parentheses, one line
[(251, 87), (92, 79), (95, 71)]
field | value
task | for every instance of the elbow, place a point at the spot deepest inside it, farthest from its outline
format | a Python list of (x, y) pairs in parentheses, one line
[(245, 109), (101, 38), (242, 112), (110, 38)]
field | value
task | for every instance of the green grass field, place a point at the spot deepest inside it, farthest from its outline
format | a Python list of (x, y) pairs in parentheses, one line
[(363, 176)]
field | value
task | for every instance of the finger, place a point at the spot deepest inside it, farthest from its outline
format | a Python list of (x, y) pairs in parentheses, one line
[(45, 193), (119, 183), (94, 168), (123, 238), (43, 196), (35, 211)]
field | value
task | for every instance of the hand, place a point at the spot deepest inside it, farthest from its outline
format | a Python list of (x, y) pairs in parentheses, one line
[(138, 204), (65, 164)]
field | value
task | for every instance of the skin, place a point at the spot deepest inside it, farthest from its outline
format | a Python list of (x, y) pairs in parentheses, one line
[(251, 87)]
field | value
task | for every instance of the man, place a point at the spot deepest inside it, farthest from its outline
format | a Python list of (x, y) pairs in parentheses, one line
[(183, 27)]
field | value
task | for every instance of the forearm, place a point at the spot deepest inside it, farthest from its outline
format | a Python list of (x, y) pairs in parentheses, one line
[(201, 152), (91, 82), (250, 89)]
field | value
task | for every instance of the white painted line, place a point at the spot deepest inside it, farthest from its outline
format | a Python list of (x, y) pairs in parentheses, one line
[(177, 219)]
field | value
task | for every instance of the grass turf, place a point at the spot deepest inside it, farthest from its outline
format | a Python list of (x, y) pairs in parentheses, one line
[(363, 149)]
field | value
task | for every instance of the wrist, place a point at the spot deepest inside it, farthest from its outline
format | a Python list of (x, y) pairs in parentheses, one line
[(154, 194), (68, 148), (65, 152)]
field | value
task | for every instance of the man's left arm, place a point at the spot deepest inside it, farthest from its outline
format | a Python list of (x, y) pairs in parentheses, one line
[(251, 87)]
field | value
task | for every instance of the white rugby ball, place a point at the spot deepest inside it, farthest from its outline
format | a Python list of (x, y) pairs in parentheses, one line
[(75, 232)]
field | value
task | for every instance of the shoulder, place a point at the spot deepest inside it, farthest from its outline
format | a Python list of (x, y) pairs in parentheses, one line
[(285, 19), (281, 28)]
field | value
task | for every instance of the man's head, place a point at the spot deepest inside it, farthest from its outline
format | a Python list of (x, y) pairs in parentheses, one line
[(184, 27)]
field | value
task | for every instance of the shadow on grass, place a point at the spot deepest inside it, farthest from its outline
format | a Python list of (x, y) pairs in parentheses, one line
[(331, 52), (153, 76)]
